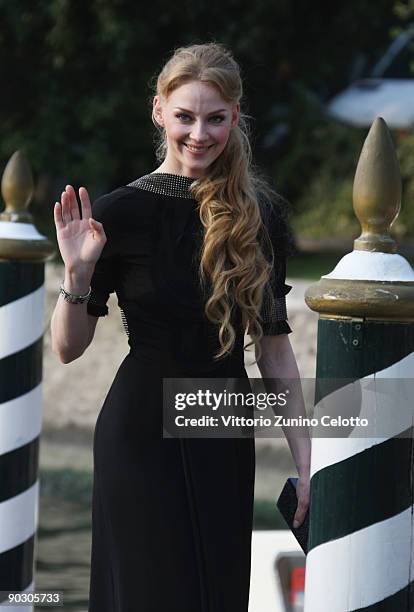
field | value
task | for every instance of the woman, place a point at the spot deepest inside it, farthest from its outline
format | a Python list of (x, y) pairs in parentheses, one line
[(187, 250)]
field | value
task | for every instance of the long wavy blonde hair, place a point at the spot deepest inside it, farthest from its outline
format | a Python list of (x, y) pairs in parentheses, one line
[(232, 259)]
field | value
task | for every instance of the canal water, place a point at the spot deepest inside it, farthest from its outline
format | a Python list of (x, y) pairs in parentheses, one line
[(63, 540)]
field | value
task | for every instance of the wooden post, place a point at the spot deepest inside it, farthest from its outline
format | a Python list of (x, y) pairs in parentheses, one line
[(23, 252), (361, 555)]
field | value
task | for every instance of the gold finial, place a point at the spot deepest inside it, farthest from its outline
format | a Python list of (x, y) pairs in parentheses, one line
[(372, 282), (377, 190), (19, 238), (17, 189)]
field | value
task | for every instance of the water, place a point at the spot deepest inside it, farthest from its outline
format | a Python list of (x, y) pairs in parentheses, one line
[(63, 541), (62, 551)]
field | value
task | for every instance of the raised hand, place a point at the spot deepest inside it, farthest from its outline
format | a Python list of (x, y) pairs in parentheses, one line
[(80, 240), (303, 496)]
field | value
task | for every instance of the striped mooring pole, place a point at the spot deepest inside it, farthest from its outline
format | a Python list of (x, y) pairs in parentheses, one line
[(23, 252), (361, 545)]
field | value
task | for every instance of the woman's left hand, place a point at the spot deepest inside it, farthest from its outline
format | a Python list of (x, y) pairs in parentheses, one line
[(303, 495)]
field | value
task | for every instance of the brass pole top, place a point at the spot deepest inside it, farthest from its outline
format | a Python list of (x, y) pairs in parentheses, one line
[(377, 190), (17, 189), (373, 281), (19, 238)]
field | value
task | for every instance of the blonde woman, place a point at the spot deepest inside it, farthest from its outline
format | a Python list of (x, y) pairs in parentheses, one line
[(195, 251)]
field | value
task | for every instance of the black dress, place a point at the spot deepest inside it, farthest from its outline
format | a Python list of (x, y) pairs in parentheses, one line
[(171, 518)]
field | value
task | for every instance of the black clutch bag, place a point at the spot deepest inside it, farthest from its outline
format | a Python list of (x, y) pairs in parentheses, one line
[(287, 504)]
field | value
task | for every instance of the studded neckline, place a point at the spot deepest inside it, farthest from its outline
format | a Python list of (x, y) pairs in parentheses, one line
[(165, 183)]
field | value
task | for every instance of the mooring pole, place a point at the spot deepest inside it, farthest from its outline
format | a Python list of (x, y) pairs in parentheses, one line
[(23, 252), (361, 521)]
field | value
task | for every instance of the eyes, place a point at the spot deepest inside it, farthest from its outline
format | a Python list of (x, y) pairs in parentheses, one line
[(183, 117)]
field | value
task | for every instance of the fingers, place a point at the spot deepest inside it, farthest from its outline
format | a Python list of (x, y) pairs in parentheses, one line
[(97, 228), (299, 517), (65, 210), (300, 512), (65, 204), (85, 203), (68, 209), (72, 201), (57, 215)]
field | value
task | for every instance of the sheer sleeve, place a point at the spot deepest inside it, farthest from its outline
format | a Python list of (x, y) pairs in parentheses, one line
[(279, 240), (103, 281)]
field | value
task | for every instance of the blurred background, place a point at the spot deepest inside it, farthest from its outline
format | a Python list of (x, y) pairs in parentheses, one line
[(78, 81), (78, 77)]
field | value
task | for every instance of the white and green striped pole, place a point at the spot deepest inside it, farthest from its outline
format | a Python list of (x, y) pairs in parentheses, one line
[(361, 544), (23, 252)]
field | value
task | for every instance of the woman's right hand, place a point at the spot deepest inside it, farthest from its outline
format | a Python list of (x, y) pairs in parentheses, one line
[(80, 240)]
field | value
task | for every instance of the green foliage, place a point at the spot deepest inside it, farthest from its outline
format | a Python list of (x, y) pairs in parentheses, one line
[(325, 206), (404, 226), (311, 266), (404, 9), (77, 88)]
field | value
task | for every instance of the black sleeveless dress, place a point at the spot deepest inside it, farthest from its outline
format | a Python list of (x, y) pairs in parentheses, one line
[(171, 517)]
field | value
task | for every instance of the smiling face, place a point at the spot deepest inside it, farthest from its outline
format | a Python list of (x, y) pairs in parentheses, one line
[(197, 122)]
